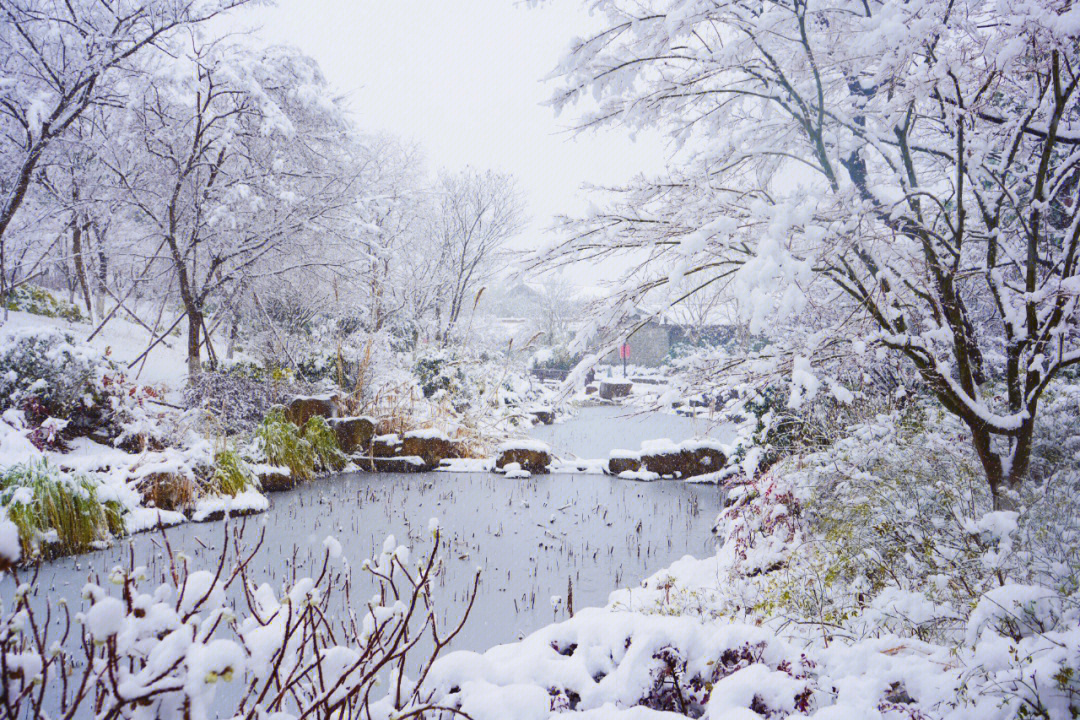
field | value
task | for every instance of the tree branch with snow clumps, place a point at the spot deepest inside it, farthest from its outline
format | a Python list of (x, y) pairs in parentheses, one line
[(893, 174), (169, 651)]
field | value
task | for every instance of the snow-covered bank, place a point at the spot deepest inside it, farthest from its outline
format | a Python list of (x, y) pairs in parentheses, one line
[(818, 604)]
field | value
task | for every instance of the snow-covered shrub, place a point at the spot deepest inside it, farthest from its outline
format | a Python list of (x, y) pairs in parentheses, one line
[(558, 358), (128, 412), (890, 534), (56, 512), (66, 389), (629, 665), (232, 474), (281, 443), (239, 396), (897, 532), (1056, 444), (168, 489), (1026, 655), (780, 430), (47, 365), (39, 301), (139, 651), (441, 374), (324, 444)]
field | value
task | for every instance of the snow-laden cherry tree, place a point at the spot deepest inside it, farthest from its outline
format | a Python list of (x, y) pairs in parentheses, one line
[(909, 166), (236, 162), (58, 58)]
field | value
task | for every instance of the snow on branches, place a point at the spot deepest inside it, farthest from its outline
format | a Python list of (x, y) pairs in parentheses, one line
[(900, 174), (207, 638)]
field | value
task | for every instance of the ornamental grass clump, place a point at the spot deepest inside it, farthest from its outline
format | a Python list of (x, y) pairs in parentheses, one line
[(56, 513), (323, 440), (231, 474), (283, 445)]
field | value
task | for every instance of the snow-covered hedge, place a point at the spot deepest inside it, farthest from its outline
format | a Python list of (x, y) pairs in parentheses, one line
[(239, 396), (55, 512), (39, 301)]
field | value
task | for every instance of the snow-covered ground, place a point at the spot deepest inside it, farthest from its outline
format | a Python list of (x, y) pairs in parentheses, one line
[(125, 341)]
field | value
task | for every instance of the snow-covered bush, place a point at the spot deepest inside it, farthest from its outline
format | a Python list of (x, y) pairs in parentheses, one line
[(441, 374), (139, 651), (280, 443), (777, 428), (239, 396), (232, 475), (66, 389), (557, 358), (900, 533), (324, 444), (1055, 453), (128, 412), (55, 512), (47, 365), (891, 532), (39, 301), (302, 450), (608, 664)]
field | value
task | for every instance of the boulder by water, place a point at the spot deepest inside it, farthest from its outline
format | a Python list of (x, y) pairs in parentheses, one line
[(388, 445), (303, 408), (275, 479), (624, 460), (399, 464), (432, 446), (544, 415), (614, 389), (531, 455), (665, 458), (354, 434)]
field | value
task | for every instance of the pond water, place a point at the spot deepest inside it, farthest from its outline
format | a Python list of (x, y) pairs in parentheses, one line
[(595, 431), (533, 538)]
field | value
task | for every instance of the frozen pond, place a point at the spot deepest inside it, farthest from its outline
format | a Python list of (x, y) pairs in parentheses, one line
[(595, 431), (533, 538)]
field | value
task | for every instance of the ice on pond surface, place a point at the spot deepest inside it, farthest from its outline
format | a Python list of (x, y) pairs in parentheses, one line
[(595, 431), (574, 537), (533, 539)]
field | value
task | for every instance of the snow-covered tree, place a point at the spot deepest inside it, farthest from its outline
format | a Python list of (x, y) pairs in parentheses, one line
[(236, 162), (475, 215), (397, 277), (913, 162), (57, 58)]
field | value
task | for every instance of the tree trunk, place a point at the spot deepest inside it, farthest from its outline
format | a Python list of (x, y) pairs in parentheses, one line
[(102, 274), (195, 321), (234, 333), (1004, 478), (80, 267)]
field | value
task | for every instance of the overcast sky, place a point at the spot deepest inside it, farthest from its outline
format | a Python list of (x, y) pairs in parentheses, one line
[(464, 79)]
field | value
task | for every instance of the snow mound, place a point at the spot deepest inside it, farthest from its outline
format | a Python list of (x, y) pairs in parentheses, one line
[(528, 444), (428, 434)]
